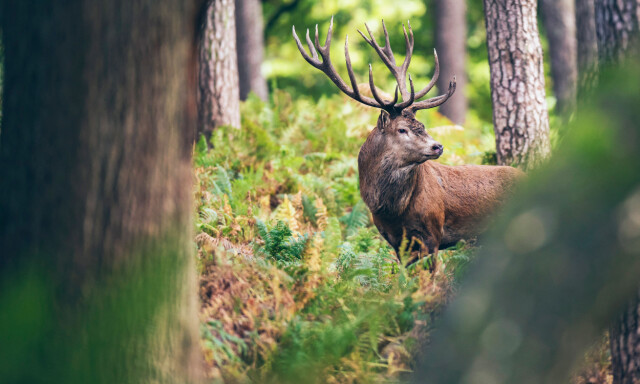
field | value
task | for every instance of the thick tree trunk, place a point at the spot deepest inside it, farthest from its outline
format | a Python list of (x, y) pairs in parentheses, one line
[(96, 267), (560, 24), (520, 116), (616, 27), (219, 100), (250, 43), (625, 345), (451, 44), (587, 45)]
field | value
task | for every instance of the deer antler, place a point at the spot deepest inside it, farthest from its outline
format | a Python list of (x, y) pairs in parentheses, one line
[(386, 54)]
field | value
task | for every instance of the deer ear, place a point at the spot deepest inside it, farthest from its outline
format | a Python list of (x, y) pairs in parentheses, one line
[(383, 120)]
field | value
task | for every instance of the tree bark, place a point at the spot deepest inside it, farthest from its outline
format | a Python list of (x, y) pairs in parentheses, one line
[(587, 45), (250, 43), (219, 100), (520, 116), (560, 24), (616, 27), (451, 45), (96, 267), (625, 345)]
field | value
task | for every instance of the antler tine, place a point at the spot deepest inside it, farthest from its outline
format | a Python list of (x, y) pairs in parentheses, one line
[(352, 76), (438, 100), (327, 40), (312, 48), (314, 62), (436, 74), (372, 42), (409, 46), (412, 96), (374, 91), (386, 54), (387, 48), (387, 106), (327, 67)]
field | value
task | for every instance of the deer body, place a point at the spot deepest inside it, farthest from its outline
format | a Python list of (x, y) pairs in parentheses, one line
[(433, 204)]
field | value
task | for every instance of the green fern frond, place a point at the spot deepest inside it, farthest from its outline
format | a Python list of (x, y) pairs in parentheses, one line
[(357, 218)]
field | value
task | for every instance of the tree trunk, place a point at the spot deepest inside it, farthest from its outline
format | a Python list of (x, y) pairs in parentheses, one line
[(97, 271), (617, 32), (587, 45), (616, 27), (219, 101), (560, 24), (625, 345), (451, 45), (520, 117), (250, 43)]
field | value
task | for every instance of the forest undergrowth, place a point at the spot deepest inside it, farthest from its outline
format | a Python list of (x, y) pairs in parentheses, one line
[(296, 283)]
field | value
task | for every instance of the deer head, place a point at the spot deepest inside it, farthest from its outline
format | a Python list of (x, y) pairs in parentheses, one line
[(398, 130)]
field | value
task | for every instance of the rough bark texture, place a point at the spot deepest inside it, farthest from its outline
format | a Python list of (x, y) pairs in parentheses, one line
[(219, 100), (520, 116), (587, 45), (625, 345), (616, 27), (96, 267), (250, 44), (560, 24), (451, 44)]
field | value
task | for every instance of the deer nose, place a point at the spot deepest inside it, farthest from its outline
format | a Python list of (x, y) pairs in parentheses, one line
[(437, 147)]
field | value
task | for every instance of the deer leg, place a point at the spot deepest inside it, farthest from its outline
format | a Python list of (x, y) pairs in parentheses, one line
[(434, 260)]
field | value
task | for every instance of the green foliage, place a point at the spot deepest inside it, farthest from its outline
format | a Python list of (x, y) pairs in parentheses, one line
[(327, 301), (279, 244)]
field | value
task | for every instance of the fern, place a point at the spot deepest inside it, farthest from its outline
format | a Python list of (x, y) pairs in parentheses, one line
[(222, 182), (357, 218), (279, 243), (309, 210)]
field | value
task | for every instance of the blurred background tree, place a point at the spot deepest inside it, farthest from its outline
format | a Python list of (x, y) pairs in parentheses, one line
[(449, 19), (587, 44), (250, 45), (218, 87), (559, 20)]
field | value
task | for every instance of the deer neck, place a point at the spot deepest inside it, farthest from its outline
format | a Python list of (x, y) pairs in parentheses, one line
[(387, 187)]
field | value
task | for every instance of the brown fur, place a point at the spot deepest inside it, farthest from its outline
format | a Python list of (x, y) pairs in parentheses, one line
[(436, 205)]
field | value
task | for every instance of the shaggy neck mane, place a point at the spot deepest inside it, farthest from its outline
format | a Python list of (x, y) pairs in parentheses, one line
[(386, 187)]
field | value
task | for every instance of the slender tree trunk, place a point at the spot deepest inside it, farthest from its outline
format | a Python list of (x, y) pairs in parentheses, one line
[(520, 116), (96, 267), (587, 44), (451, 44), (625, 345), (560, 24), (616, 27), (617, 32), (250, 43), (219, 100)]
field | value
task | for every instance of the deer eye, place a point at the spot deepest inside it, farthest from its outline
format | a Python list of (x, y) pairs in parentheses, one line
[(402, 130)]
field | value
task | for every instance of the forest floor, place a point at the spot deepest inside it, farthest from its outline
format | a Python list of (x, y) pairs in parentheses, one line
[(296, 283)]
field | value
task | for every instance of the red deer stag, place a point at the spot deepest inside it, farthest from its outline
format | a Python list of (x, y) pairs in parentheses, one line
[(432, 204)]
